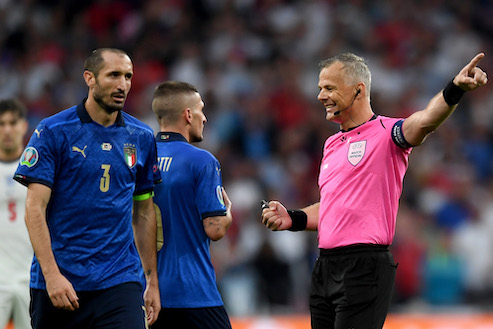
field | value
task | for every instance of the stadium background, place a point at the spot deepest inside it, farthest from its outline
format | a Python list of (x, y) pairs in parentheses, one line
[(255, 63)]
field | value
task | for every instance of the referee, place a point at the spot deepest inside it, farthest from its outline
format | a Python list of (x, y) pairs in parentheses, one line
[(360, 182)]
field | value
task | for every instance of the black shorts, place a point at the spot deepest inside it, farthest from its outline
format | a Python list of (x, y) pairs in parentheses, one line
[(118, 307), (193, 318), (352, 287)]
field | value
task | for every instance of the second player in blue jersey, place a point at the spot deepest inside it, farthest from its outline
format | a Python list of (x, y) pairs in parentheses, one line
[(194, 208)]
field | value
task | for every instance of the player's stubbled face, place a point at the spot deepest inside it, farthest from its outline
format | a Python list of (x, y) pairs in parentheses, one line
[(113, 82)]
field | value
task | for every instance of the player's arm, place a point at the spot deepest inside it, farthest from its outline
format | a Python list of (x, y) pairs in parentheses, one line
[(60, 290), (144, 225), (216, 226), (276, 217), (420, 124)]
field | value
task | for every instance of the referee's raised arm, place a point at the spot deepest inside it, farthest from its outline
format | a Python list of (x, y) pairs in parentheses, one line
[(420, 124)]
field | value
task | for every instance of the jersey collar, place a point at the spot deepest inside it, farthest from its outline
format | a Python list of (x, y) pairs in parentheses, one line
[(86, 118), (372, 118), (170, 137)]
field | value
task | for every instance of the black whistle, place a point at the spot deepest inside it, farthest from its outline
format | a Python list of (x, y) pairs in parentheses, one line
[(264, 204)]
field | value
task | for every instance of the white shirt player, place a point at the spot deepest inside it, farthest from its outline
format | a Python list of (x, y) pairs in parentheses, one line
[(16, 252)]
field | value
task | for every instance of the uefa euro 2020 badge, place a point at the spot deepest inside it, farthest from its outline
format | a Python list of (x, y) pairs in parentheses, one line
[(219, 194), (29, 157)]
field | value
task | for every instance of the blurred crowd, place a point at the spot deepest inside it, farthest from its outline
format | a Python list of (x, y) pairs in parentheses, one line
[(255, 62)]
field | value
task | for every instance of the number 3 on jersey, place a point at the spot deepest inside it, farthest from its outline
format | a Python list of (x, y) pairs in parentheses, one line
[(104, 183)]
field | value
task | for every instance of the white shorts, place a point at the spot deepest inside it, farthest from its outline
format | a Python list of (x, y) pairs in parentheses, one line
[(14, 304)]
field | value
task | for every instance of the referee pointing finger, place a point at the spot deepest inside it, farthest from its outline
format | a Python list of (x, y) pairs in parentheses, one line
[(360, 182)]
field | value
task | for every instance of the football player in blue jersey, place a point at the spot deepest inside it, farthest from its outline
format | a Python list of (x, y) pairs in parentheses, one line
[(90, 172), (194, 209)]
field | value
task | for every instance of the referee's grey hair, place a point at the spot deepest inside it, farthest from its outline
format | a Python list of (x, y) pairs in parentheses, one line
[(355, 67)]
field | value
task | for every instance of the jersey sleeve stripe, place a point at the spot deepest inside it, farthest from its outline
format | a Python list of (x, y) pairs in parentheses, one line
[(25, 180), (214, 214)]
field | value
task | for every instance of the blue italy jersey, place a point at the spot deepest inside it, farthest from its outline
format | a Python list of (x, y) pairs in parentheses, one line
[(94, 172), (190, 192)]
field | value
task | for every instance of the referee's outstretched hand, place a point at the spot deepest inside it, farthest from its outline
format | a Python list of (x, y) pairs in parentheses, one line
[(276, 217), (471, 76)]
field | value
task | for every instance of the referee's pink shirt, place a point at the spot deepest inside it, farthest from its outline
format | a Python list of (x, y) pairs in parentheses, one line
[(360, 183)]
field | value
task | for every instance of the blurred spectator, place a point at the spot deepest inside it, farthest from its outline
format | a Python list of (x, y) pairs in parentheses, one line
[(443, 272), (271, 278), (409, 253)]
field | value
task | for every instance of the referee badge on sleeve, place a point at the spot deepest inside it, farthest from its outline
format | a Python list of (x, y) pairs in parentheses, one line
[(356, 152)]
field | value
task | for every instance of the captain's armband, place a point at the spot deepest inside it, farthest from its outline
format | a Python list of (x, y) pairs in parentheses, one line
[(143, 197)]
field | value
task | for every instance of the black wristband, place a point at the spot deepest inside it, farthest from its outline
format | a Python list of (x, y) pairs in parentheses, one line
[(452, 93), (298, 219)]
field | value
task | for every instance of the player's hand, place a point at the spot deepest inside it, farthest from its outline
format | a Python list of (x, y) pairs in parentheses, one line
[(152, 303), (471, 76), (276, 217), (227, 201), (61, 292)]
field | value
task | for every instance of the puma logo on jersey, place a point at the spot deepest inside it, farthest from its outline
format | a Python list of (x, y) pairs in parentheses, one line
[(38, 132), (76, 149)]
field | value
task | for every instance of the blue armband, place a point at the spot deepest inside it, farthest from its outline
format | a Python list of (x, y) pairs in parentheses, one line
[(398, 136)]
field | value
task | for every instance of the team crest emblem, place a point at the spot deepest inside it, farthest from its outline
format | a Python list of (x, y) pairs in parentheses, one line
[(356, 152), (130, 153), (30, 157)]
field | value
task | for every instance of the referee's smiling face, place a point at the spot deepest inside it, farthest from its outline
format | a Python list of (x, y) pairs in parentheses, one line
[(334, 91), (111, 85)]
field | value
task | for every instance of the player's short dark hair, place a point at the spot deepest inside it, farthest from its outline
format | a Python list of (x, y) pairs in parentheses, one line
[(13, 105), (95, 62), (169, 94), (173, 88)]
